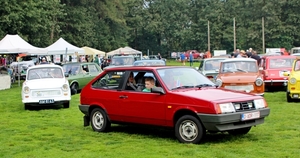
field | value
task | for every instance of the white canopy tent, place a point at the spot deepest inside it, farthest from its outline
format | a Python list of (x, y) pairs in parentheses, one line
[(12, 44), (62, 47), (125, 50)]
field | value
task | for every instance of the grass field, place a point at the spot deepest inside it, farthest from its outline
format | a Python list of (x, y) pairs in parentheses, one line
[(57, 132)]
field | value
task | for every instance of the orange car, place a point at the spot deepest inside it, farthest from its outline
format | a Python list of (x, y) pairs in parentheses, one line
[(241, 74)]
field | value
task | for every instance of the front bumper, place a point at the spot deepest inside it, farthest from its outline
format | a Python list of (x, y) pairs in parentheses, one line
[(231, 121), (276, 82), (294, 94), (57, 100)]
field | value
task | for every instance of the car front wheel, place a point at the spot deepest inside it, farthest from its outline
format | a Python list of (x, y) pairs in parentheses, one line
[(99, 120), (74, 88), (188, 129)]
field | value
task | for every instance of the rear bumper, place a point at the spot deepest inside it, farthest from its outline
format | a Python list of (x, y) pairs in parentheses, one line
[(225, 122)]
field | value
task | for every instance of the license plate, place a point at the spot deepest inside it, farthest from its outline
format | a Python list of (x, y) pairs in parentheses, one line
[(251, 115), (48, 101)]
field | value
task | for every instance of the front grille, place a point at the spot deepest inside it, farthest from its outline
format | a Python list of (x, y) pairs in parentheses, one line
[(244, 106)]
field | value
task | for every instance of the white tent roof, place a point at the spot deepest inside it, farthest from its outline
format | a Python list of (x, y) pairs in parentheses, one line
[(63, 47), (15, 44), (124, 50)]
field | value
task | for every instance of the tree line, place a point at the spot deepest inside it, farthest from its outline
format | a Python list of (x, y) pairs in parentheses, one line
[(154, 25)]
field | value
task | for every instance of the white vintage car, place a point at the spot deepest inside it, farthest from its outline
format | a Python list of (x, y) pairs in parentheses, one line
[(46, 85)]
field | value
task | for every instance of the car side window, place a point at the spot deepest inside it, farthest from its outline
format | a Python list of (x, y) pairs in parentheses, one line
[(85, 68), (93, 68), (140, 78), (111, 80)]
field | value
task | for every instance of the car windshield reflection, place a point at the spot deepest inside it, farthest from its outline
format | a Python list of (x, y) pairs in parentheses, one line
[(180, 78), (239, 66)]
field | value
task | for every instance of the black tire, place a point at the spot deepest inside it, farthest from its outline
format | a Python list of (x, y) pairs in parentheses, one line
[(189, 129), (26, 106), (66, 104), (240, 131), (74, 88), (288, 98), (99, 120)]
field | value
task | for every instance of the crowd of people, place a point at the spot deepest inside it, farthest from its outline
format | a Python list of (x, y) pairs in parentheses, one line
[(250, 53)]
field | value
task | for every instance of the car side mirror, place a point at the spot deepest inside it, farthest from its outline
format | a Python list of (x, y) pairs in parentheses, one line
[(286, 74), (260, 68), (66, 74), (157, 90)]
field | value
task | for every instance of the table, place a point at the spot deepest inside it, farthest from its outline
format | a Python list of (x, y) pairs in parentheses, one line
[(5, 81)]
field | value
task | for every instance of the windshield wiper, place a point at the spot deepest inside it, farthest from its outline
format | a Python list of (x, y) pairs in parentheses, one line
[(204, 85), (241, 70), (182, 87)]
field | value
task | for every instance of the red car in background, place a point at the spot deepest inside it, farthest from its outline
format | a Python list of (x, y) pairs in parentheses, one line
[(272, 69)]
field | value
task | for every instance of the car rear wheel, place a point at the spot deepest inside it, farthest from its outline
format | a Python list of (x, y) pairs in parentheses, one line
[(66, 104), (99, 120), (189, 129), (241, 131), (74, 88)]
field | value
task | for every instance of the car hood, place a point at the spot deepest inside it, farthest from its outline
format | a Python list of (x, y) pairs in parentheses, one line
[(45, 83), (238, 77), (217, 95)]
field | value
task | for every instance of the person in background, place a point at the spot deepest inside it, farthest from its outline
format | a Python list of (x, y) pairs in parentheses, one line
[(159, 56), (255, 56), (96, 59), (44, 61), (182, 58), (191, 59), (149, 83)]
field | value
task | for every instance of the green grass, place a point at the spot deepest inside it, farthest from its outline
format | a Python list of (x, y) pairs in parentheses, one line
[(58, 132)]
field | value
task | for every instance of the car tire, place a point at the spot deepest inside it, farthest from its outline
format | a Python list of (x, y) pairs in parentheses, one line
[(74, 88), (26, 106), (189, 129), (288, 98), (240, 131), (66, 104), (99, 120)]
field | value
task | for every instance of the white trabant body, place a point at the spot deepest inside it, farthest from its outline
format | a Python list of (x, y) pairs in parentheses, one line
[(46, 85)]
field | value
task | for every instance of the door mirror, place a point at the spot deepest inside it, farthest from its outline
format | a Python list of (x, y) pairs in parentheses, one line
[(157, 90)]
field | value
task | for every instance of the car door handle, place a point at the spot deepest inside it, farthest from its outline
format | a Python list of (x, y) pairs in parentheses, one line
[(123, 96)]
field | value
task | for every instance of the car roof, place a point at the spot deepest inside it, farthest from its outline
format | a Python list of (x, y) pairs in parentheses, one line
[(238, 59), (77, 63), (280, 56), (124, 56), (142, 67), (44, 65), (206, 59)]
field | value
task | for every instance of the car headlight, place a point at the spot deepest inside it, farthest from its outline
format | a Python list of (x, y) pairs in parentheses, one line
[(26, 89), (260, 103), (226, 108), (65, 87), (218, 82), (259, 82), (293, 80)]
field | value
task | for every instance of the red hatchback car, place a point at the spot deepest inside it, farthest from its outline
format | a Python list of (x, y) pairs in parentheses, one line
[(273, 68), (182, 99)]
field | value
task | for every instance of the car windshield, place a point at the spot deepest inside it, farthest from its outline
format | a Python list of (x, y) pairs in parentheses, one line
[(149, 63), (281, 63), (177, 78), (122, 60), (212, 64), (71, 69), (239, 66), (41, 73)]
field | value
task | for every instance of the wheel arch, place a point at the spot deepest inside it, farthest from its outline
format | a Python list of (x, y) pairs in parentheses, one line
[(183, 112), (94, 106)]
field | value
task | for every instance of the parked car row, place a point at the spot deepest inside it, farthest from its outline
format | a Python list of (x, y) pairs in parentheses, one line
[(180, 98)]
